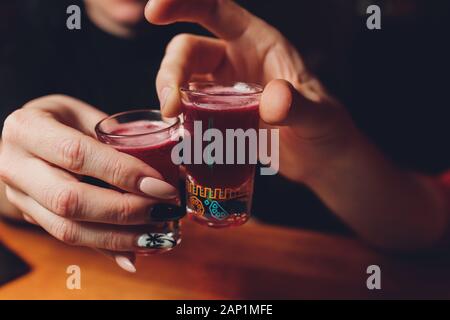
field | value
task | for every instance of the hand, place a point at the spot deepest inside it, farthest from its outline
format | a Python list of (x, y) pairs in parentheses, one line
[(46, 146), (319, 144), (312, 124)]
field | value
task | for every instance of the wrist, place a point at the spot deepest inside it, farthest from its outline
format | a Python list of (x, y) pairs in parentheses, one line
[(315, 161), (347, 159)]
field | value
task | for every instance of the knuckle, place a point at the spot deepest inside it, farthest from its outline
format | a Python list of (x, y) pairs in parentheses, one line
[(181, 40), (14, 123), (64, 202), (118, 172), (126, 211), (67, 232), (73, 153), (110, 241)]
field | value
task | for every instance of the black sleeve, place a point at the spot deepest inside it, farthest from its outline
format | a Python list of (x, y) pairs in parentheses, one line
[(27, 59), (10, 35), (399, 92)]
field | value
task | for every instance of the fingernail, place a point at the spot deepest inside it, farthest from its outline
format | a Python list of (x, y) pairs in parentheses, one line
[(29, 219), (157, 188), (156, 241), (125, 264), (165, 92), (166, 212)]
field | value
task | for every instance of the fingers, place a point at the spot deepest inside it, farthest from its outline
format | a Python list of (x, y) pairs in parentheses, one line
[(186, 55), (69, 149), (70, 111), (71, 199), (125, 260), (224, 18), (29, 219), (77, 233), (312, 118)]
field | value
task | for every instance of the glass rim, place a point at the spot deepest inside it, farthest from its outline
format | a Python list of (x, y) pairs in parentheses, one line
[(186, 89), (98, 130)]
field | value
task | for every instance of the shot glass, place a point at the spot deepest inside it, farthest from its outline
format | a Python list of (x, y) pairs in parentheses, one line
[(219, 190), (148, 136)]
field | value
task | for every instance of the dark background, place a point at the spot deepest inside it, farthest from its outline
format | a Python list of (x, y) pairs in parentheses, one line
[(394, 81)]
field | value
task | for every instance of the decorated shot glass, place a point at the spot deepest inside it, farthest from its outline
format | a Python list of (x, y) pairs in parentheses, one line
[(148, 136), (219, 190)]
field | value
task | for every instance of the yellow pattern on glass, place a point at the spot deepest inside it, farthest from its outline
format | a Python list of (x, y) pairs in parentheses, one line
[(217, 194), (196, 205)]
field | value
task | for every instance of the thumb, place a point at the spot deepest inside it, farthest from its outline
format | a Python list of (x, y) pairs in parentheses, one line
[(314, 117)]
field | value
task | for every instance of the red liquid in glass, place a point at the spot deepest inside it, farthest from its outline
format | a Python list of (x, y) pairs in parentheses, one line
[(152, 142), (153, 149), (219, 195), (235, 117)]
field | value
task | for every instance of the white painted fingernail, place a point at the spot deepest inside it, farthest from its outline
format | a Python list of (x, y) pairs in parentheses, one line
[(125, 264), (157, 188), (156, 241), (29, 219)]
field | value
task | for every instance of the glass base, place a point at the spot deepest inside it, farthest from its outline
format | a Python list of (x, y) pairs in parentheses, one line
[(218, 207), (159, 238), (152, 252), (233, 221)]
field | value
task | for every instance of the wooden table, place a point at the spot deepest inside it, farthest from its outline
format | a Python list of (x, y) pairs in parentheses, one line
[(251, 262)]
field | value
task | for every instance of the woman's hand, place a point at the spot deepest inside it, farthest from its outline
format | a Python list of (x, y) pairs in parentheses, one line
[(319, 144), (46, 146)]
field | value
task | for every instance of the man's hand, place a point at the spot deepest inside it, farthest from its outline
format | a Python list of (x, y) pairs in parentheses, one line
[(248, 49), (319, 144)]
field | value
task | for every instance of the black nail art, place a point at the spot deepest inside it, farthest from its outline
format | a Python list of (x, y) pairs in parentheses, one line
[(166, 212), (156, 241)]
